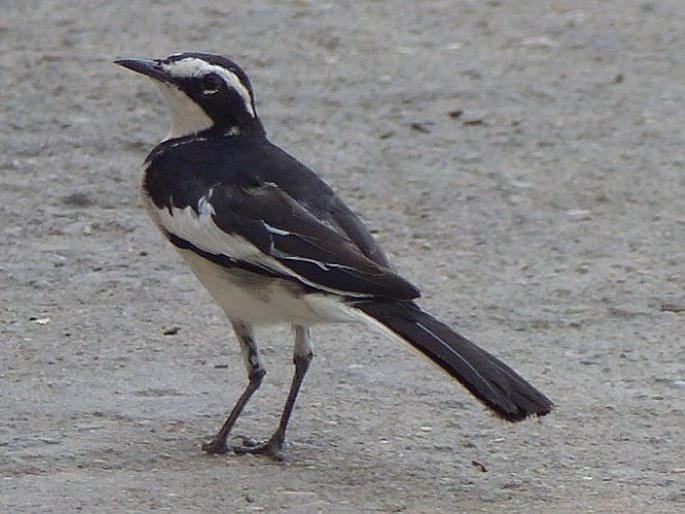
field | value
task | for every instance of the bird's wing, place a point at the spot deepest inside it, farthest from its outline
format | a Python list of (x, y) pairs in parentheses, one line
[(344, 219), (262, 228), (300, 182)]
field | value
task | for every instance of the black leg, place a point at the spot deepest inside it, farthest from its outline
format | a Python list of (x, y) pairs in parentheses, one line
[(303, 356), (255, 372)]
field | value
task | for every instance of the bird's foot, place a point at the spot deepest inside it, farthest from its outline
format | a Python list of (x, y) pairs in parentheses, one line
[(216, 447), (271, 448)]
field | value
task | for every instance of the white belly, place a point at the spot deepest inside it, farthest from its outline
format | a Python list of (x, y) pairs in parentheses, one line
[(249, 297), (259, 300)]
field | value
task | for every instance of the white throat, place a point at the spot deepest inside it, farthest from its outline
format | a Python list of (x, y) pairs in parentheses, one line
[(186, 116)]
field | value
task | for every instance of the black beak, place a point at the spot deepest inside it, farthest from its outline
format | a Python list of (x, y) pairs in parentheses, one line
[(149, 68)]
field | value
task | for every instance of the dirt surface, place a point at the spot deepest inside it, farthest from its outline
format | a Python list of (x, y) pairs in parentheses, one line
[(521, 161)]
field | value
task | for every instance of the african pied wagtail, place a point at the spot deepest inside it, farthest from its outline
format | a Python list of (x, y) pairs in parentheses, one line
[(273, 243)]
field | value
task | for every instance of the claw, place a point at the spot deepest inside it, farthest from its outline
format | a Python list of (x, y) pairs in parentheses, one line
[(251, 442), (271, 448), (216, 447)]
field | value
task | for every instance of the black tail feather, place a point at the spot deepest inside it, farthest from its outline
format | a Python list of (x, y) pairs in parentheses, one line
[(490, 380)]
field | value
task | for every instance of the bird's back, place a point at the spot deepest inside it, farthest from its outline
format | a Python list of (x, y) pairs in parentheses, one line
[(181, 171)]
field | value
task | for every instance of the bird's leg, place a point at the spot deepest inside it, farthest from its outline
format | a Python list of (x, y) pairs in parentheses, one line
[(302, 357), (255, 374)]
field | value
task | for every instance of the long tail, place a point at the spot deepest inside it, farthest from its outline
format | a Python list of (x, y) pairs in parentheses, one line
[(490, 380)]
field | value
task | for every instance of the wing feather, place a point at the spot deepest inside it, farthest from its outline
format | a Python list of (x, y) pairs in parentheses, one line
[(263, 227)]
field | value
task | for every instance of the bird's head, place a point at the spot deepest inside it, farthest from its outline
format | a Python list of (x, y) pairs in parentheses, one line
[(203, 91)]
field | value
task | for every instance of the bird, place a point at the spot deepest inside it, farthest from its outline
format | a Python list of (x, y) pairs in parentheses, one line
[(273, 243)]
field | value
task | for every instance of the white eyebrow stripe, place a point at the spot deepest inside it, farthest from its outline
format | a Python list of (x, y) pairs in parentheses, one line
[(194, 67), (233, 80)]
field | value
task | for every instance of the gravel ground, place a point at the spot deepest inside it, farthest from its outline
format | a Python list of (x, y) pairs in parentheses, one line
[(520, 161)]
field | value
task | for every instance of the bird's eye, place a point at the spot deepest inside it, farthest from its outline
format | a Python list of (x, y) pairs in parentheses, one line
[(211, 84)]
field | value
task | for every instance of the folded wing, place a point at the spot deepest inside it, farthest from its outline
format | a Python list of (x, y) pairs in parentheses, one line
[(263, 229)]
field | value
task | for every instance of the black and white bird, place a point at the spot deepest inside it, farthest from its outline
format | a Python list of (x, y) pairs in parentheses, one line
[(272, 243)]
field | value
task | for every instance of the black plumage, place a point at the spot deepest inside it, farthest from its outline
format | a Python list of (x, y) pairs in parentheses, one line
[(273, 243), (255, 184)]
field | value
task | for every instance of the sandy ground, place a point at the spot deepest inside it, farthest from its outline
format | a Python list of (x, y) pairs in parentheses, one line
[(521, 161)]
